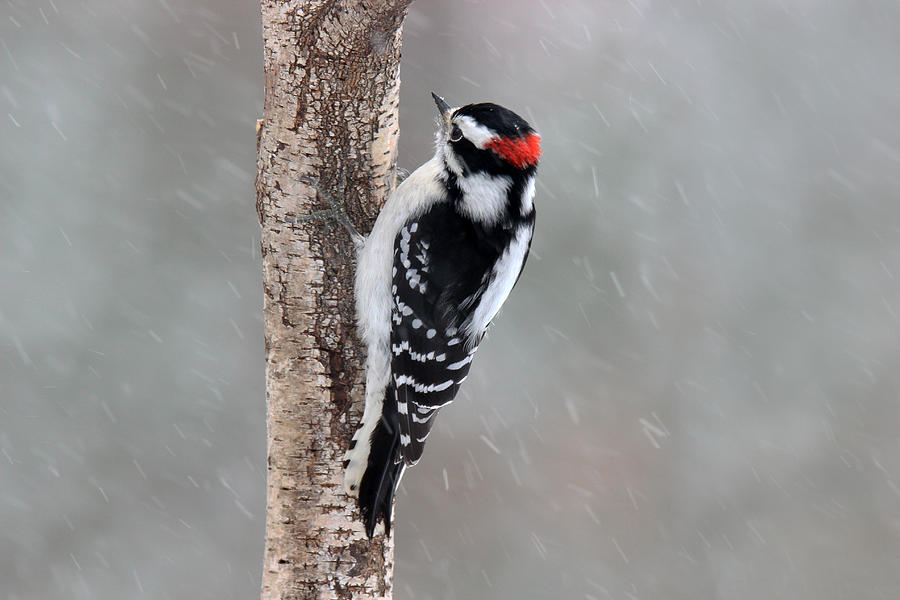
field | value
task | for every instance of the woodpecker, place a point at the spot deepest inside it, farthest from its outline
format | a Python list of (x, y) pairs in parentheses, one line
[(445, 251)]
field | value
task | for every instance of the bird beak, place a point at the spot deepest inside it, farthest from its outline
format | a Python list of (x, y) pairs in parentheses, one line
[(442, 106)]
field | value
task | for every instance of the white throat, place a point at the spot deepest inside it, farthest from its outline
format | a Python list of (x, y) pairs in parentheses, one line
[(484, 197)]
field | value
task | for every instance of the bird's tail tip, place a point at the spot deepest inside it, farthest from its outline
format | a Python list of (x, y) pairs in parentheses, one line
[(379, 481)]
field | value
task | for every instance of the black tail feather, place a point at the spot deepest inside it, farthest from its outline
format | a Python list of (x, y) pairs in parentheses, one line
[(379, 482)]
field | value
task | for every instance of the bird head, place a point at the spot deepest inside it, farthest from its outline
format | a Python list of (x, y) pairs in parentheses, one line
[(487, 138)]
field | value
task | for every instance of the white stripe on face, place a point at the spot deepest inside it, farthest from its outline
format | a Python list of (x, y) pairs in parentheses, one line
[(473, 131)]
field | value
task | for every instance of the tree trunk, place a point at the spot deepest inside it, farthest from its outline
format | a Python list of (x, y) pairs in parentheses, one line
[(332, 89)]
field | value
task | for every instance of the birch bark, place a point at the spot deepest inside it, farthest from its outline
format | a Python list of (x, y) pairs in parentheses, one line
[(331, 95)]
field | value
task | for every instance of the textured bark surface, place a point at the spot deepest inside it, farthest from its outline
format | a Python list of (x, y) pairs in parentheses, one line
[(332, 89)]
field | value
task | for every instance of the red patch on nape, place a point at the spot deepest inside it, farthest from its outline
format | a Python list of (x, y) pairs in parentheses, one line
[(520, 152)]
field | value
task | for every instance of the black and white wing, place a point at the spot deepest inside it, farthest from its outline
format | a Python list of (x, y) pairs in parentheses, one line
[(443, 267)]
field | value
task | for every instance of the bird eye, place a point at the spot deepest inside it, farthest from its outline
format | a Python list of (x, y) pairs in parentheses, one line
[(455, 134)]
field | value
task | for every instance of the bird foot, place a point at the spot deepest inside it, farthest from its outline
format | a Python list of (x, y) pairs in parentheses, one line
[(337, 210), (400, 176)]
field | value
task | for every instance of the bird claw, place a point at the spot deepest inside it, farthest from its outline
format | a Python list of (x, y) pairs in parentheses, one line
[(400, 175), (338, 210)]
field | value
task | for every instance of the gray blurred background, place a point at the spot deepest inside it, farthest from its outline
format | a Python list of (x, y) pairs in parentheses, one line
[(691, 394)]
